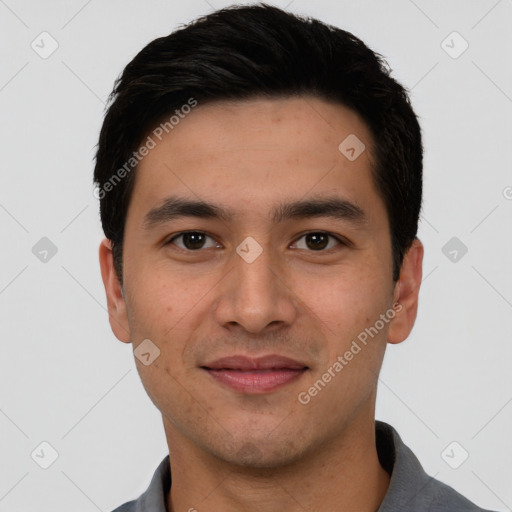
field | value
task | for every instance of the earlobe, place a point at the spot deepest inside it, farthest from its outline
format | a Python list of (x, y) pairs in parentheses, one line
[(406, 294), (116, 304)]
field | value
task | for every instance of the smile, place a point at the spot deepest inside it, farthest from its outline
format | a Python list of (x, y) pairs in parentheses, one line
[(255, 375)]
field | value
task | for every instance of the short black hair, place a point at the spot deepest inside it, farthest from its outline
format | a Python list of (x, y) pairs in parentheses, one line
[(244, 52)]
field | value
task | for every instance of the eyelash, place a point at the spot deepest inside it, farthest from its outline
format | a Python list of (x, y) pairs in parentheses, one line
[(178, 235)]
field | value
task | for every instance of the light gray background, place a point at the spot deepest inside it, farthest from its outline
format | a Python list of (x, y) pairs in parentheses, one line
[(66, 380)]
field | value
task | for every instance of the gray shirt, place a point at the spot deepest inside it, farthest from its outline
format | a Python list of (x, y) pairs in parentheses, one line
[(410, 488)]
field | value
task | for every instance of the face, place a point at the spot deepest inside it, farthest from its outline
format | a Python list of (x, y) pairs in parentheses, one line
[(251, 297)]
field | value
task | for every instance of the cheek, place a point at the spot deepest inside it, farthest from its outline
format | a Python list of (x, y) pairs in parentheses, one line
[(157, 301), (164, 384), (168, 308), (345, 303), (159, 313)]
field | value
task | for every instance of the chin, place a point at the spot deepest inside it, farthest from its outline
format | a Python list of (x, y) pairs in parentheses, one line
[(259, 452)]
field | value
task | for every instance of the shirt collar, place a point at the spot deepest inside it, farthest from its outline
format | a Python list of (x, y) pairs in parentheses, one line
[(406, 488), (408, 478), (155, 496)]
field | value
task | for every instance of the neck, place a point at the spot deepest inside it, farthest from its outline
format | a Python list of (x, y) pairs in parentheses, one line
[(343, 474)]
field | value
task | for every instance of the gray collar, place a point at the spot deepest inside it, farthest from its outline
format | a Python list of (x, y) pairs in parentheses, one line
[(410, 488)]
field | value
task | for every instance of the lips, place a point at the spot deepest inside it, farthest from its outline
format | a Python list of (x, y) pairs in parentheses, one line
[(244, 363), (255, 375)]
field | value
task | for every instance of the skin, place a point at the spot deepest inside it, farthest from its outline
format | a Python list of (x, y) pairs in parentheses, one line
[(263, 452)]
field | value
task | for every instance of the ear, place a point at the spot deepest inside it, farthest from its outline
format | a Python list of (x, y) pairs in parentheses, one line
[(117, 315), (406, 294)]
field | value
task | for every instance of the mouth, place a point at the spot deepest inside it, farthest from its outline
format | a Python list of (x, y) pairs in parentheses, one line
[(255, 375)]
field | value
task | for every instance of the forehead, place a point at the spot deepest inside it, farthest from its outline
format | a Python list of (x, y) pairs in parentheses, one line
[(247, 154), (295, 125)]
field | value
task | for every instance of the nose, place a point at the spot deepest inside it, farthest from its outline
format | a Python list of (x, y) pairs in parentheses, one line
[(256, 295)]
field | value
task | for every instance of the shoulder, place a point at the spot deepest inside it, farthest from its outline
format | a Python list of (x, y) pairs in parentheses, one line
[(153, 499), (411, 488), (127, 507), (447, 499)]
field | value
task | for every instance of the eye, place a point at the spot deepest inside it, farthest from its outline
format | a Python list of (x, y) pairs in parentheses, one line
[(192, 240), (317, 241), (196, 240)]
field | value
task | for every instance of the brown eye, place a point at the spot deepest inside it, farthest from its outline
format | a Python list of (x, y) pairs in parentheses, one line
[(317, 241), (192, 240)]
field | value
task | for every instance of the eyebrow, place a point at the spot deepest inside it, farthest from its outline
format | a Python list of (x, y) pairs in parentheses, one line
[(174, 208)]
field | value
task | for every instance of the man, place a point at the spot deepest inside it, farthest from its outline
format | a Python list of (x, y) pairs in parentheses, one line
[(260, 180)]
